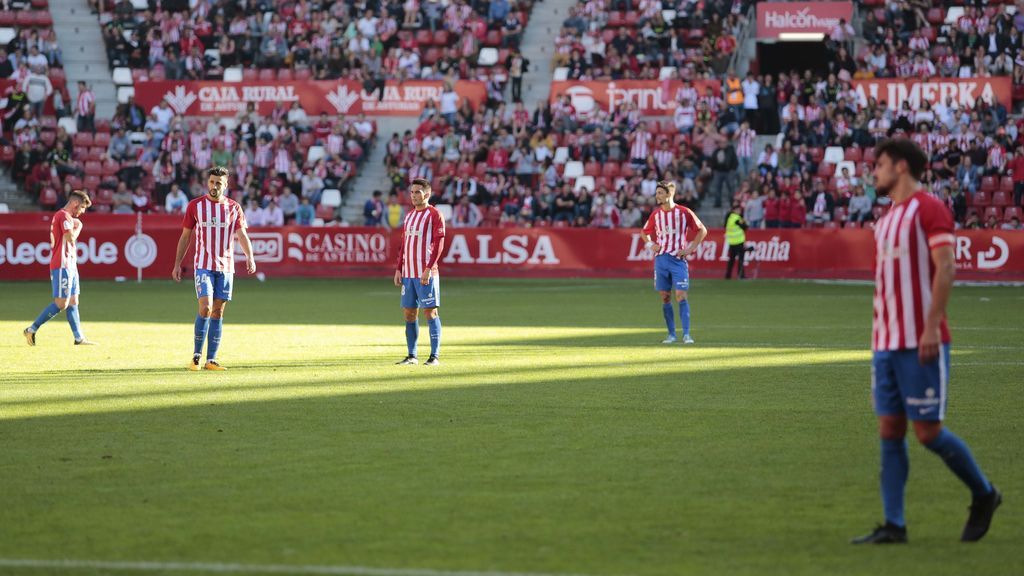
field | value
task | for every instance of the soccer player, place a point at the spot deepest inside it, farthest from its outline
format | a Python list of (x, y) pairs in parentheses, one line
[(914, 266), (64, 230), (418, 253), (216, 221), (665, 235)]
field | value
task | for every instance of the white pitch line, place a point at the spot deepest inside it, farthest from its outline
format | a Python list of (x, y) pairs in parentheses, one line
[(246, 568)]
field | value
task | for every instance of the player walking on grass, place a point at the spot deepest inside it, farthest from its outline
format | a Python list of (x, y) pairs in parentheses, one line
[(216, 221), (914, 267), (420, 249), (64, 230), (665, 235)]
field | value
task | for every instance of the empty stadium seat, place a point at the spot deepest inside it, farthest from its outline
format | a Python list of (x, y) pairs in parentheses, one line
[(331, 197), (573, 169)]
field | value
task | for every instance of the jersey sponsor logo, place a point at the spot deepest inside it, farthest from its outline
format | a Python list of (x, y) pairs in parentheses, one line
[(27, 253)]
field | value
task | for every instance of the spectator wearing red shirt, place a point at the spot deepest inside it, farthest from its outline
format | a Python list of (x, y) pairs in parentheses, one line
[(771, 209), (1016, 170), (497, 160), (797, 211)]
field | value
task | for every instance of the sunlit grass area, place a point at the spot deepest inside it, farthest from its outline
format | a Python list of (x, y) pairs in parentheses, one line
[(557, 437)]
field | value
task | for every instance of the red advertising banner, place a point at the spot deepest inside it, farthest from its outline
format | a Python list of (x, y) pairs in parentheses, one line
[(654, 97), (776, 18), (965, 92), (206, 98), (110, 246)]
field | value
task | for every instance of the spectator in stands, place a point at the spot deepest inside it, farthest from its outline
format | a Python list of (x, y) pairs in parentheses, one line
[(176, 201), (373, 210), (796, 210), (820, 205), (38, 89), (60, 159), (273, 214), (140, 200), (723, 165), (289, 204), (305, 213), (122, 199), (466, 214), (254, 215), (968, 175), (1012, 224), (121, 147), (753, 210), (860, 207)]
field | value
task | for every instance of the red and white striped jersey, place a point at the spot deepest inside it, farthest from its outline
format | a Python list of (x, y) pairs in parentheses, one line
[(422, 242), (904, 239), (745, 143), (641, 145), (63, 254), (215, 224), (85, 101), (263, 156), (662, 158), (669, 228), (201, 158)]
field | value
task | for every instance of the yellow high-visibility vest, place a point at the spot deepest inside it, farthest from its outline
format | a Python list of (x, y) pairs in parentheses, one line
[(734, 234), (734, 92)]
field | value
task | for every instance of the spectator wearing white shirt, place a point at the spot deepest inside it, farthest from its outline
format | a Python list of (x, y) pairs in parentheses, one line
[(273, 215), (254, 215), (176, 201), (297, 116), (363, 127), (164, 115), (449, 104), (685, 117), (768, 160)]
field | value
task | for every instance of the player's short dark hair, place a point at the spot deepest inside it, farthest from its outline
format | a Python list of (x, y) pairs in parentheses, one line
[(668, 186), (422, 182), (218, 171), (82, 196), (904, 149)]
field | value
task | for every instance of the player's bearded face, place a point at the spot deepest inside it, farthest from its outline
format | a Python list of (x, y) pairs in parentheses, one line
[(418, 196), (885, 176), (215, 185)]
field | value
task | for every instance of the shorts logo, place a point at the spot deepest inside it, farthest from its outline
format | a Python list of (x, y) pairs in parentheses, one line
[(930, 393), (403, 290)]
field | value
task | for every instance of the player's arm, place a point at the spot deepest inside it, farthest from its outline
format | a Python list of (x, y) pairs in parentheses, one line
[(942, 284), (242, 235), (183, 242), (648, 235), (436, 246), (702, 231), (401, 257)]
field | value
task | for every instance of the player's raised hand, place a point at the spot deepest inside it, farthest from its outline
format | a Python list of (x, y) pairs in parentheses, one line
[(398, 279), (250, 265), (176, 273)]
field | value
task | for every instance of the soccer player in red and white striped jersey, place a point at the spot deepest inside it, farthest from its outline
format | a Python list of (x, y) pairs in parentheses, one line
[(65, 228), (416, 274), (215, 221), (665, 234), (914, 268)]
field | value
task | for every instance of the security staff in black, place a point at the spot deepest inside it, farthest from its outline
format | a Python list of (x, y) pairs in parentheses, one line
[(736, 237)]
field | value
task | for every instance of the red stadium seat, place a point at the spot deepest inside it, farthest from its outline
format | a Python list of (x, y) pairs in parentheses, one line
[(266, 75), (602, 183), (250, 75), (285, 75), (103, 126), (493, 39), (103, 196), (7, 154), (7, 18), (303, 75), (101, 139), (935, 16), (424, 38), (74, 181), (988, 184), (610, 169), (306, 139), (1012, 212), (481, 169), (1006, 184), (626, 170), (159, 75), (1000, 199), (592, 168), (992, 212), (48, 198), (981, 198), (616, 19), (48, 138), (631, 19), (91, 182), (431, 56), (325, 212), (446, 169), (852, 154), (441, 38), (82, 139), (111, 168), (93, 168), (868, 156)]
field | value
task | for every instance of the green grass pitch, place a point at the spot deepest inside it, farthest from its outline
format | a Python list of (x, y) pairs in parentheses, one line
[(557, 437)]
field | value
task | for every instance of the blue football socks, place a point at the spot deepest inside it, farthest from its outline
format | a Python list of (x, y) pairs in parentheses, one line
[(957, 456), (684, 316), (214, 342), (202, 325), (895, 469), (47, 313), (412, 333), (670, 319), (74, 321), (434, 325)]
